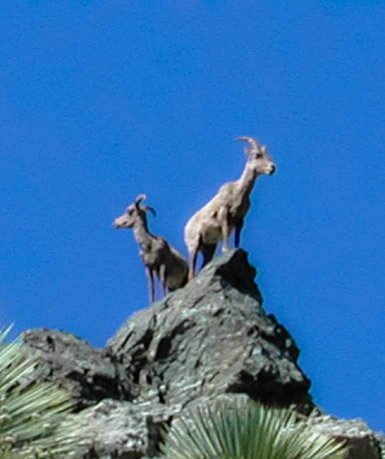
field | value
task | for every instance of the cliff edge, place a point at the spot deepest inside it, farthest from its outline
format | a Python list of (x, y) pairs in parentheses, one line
[(210, 339)]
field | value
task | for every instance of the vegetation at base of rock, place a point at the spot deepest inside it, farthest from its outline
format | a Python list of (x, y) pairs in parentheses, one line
[(246, 430), (31, 414)]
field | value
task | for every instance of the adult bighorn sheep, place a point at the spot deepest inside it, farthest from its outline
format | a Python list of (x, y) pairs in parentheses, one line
[(158, 256), (225, 212)]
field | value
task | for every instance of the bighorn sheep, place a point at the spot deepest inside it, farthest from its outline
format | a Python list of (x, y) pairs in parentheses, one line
[(157, 255), (225, 212)]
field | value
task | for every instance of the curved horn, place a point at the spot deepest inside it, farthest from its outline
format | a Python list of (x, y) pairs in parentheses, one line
[(149, 208), (251, 140), (140, 198)]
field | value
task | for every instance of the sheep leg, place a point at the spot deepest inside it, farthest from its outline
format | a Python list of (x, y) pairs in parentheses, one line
[(225, 230), (208, 253), (162, 278), (237, 233), (193, 255), (193, 251), (151, 286)]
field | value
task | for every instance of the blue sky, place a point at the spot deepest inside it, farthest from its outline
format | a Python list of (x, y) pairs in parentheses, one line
[(101, 101)]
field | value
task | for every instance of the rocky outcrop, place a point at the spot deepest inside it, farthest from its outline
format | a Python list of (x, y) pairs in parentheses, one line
[(208, 339), (211, 337), (83, 371), (360, 440)]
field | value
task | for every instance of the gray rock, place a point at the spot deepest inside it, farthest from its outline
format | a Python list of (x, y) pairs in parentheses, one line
[(83, 371), (209, 340), (360, 440), (211, 337), (121, 429), (380, 437)]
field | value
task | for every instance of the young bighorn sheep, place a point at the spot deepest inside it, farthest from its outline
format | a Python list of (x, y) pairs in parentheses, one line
[(157, 255), (225, 212)]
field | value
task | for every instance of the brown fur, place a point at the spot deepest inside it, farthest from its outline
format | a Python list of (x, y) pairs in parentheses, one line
[(226, 211), (159, 258)]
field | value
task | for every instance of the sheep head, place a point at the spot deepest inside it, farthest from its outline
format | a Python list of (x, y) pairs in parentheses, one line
[(134, 211), (258, 156)]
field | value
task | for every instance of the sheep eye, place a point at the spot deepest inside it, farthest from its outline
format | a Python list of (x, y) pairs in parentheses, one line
[(259, 155)]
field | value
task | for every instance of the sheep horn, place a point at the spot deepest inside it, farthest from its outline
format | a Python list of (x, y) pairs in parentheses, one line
[(140, 198), (146, 208), (253, 142)]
